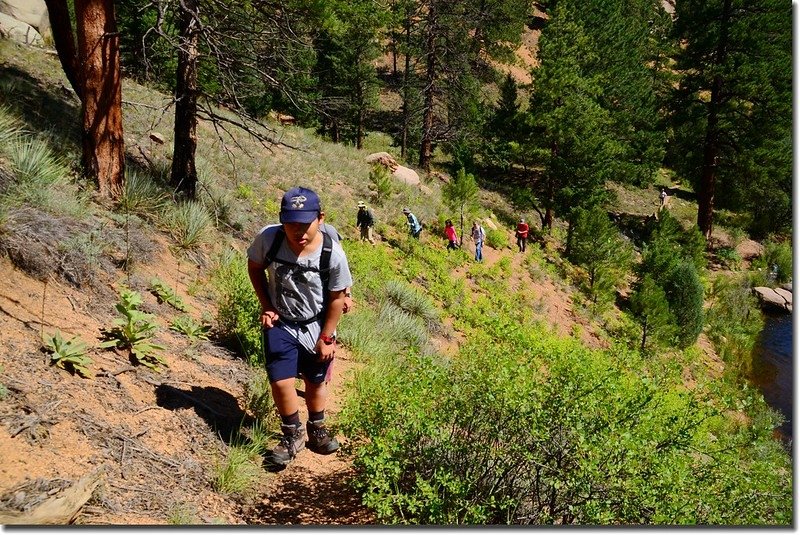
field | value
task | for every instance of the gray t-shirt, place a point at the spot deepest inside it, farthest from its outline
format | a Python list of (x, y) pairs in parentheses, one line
[(295, 293)]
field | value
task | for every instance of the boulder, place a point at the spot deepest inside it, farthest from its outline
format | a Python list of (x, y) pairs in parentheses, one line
[(31, 12), (19, 31), (383, 158), (489, 223), (406, 175), (786, 294), (787, 286), (425, 189), (770, 297)]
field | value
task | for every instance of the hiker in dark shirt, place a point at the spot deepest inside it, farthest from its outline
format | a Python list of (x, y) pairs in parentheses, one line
[(365, 221)]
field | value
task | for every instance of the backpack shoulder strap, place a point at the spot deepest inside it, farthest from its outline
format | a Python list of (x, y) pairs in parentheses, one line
[(325, 260), (277, 241)]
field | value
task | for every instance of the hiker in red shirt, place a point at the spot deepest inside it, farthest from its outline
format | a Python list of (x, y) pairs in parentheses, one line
[(522, 234), (450, 231)]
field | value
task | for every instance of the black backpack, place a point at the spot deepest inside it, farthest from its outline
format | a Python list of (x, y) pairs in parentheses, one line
[(324, 269)]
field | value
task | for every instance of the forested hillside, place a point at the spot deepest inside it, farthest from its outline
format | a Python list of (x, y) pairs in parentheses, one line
[(596, 377)]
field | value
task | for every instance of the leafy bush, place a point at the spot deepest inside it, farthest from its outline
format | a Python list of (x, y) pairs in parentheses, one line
[(190, 328), (729, 257), (238, 309), (685, 292), (165, 294), (69, 354), (777, 259), (592, 441), (734, 321), (497, 238), (134, 332)]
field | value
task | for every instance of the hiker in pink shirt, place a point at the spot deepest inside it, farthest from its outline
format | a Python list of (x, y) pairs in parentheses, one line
[(450, 231)]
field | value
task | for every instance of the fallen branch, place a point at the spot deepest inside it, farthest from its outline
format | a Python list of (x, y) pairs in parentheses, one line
[(60, 509)]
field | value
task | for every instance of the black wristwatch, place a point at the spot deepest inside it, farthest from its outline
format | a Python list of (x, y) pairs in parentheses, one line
[(327, 340)]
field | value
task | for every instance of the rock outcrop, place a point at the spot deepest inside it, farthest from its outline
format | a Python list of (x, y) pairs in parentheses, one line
[(779, 298), (19, 31), (25, 21), (406, 175)]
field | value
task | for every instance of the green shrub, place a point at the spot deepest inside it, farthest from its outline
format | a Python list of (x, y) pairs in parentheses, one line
[(729, 257), (238, 309), (592, 442), (381, 182), (134, 331), (685, 292), (734, 321), (238, 472), (190, 328), (165, 294), (497, 238), (777, 260), (69, 354)]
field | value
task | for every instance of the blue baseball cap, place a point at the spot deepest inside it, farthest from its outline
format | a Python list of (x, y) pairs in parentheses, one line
[(299, 205)]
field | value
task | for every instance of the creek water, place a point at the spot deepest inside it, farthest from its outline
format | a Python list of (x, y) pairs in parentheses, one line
[(773, 369)]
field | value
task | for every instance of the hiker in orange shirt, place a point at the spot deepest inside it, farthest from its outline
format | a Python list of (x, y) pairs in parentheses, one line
[(522, 234)]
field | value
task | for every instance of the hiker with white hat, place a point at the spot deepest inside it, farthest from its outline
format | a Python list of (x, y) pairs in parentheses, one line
[(414, 228), (365, 221)]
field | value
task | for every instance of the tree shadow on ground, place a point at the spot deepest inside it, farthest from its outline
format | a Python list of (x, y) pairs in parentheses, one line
[(319, 499), (218, 408), (53, 109)]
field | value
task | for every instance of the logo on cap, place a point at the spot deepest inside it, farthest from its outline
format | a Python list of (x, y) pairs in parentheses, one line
[(298, 201)]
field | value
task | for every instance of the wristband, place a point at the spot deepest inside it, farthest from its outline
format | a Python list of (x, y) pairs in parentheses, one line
[(327, 340)]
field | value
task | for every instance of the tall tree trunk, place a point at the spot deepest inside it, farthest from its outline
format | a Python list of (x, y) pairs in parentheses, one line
[(705, 197), (426, 146), (64, 40), (406, 91), (98, 53), (184, 172), (360, 121)]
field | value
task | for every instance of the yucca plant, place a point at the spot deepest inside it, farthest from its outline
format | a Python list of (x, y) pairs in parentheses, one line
[(412, 301), (240, 469), (134, 331), (189, 224), (10, 127), (142, 195), (69, 354)]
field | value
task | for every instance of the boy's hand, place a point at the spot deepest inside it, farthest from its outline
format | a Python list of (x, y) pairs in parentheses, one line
[(268, 319), (325, 351), (348, 304)]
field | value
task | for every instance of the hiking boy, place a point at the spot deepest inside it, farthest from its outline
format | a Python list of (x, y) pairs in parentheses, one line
[(478, 235), (299, 316), (522, 234), (414, 228), (365, 221)]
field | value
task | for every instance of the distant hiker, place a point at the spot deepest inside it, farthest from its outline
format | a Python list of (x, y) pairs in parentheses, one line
[(478, 235), (414, 228), (450, 231), (301, 304), (365, 221), (662, 199), (522, 234)]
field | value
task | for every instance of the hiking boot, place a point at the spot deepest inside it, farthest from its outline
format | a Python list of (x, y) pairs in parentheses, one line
[(319, 439), (292, 441)]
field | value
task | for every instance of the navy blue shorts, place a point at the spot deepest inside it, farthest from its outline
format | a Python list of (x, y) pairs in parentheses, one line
[(287, 358)]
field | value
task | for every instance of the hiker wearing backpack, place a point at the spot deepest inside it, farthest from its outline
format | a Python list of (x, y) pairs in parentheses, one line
[(365, 221), (301, 304), (414, 228), (478, 236), (522, 234), (452, 239)]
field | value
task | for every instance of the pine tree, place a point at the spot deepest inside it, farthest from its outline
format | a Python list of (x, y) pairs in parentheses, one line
[(732, 113), (569, 129), (461, 194), (649, 306)]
